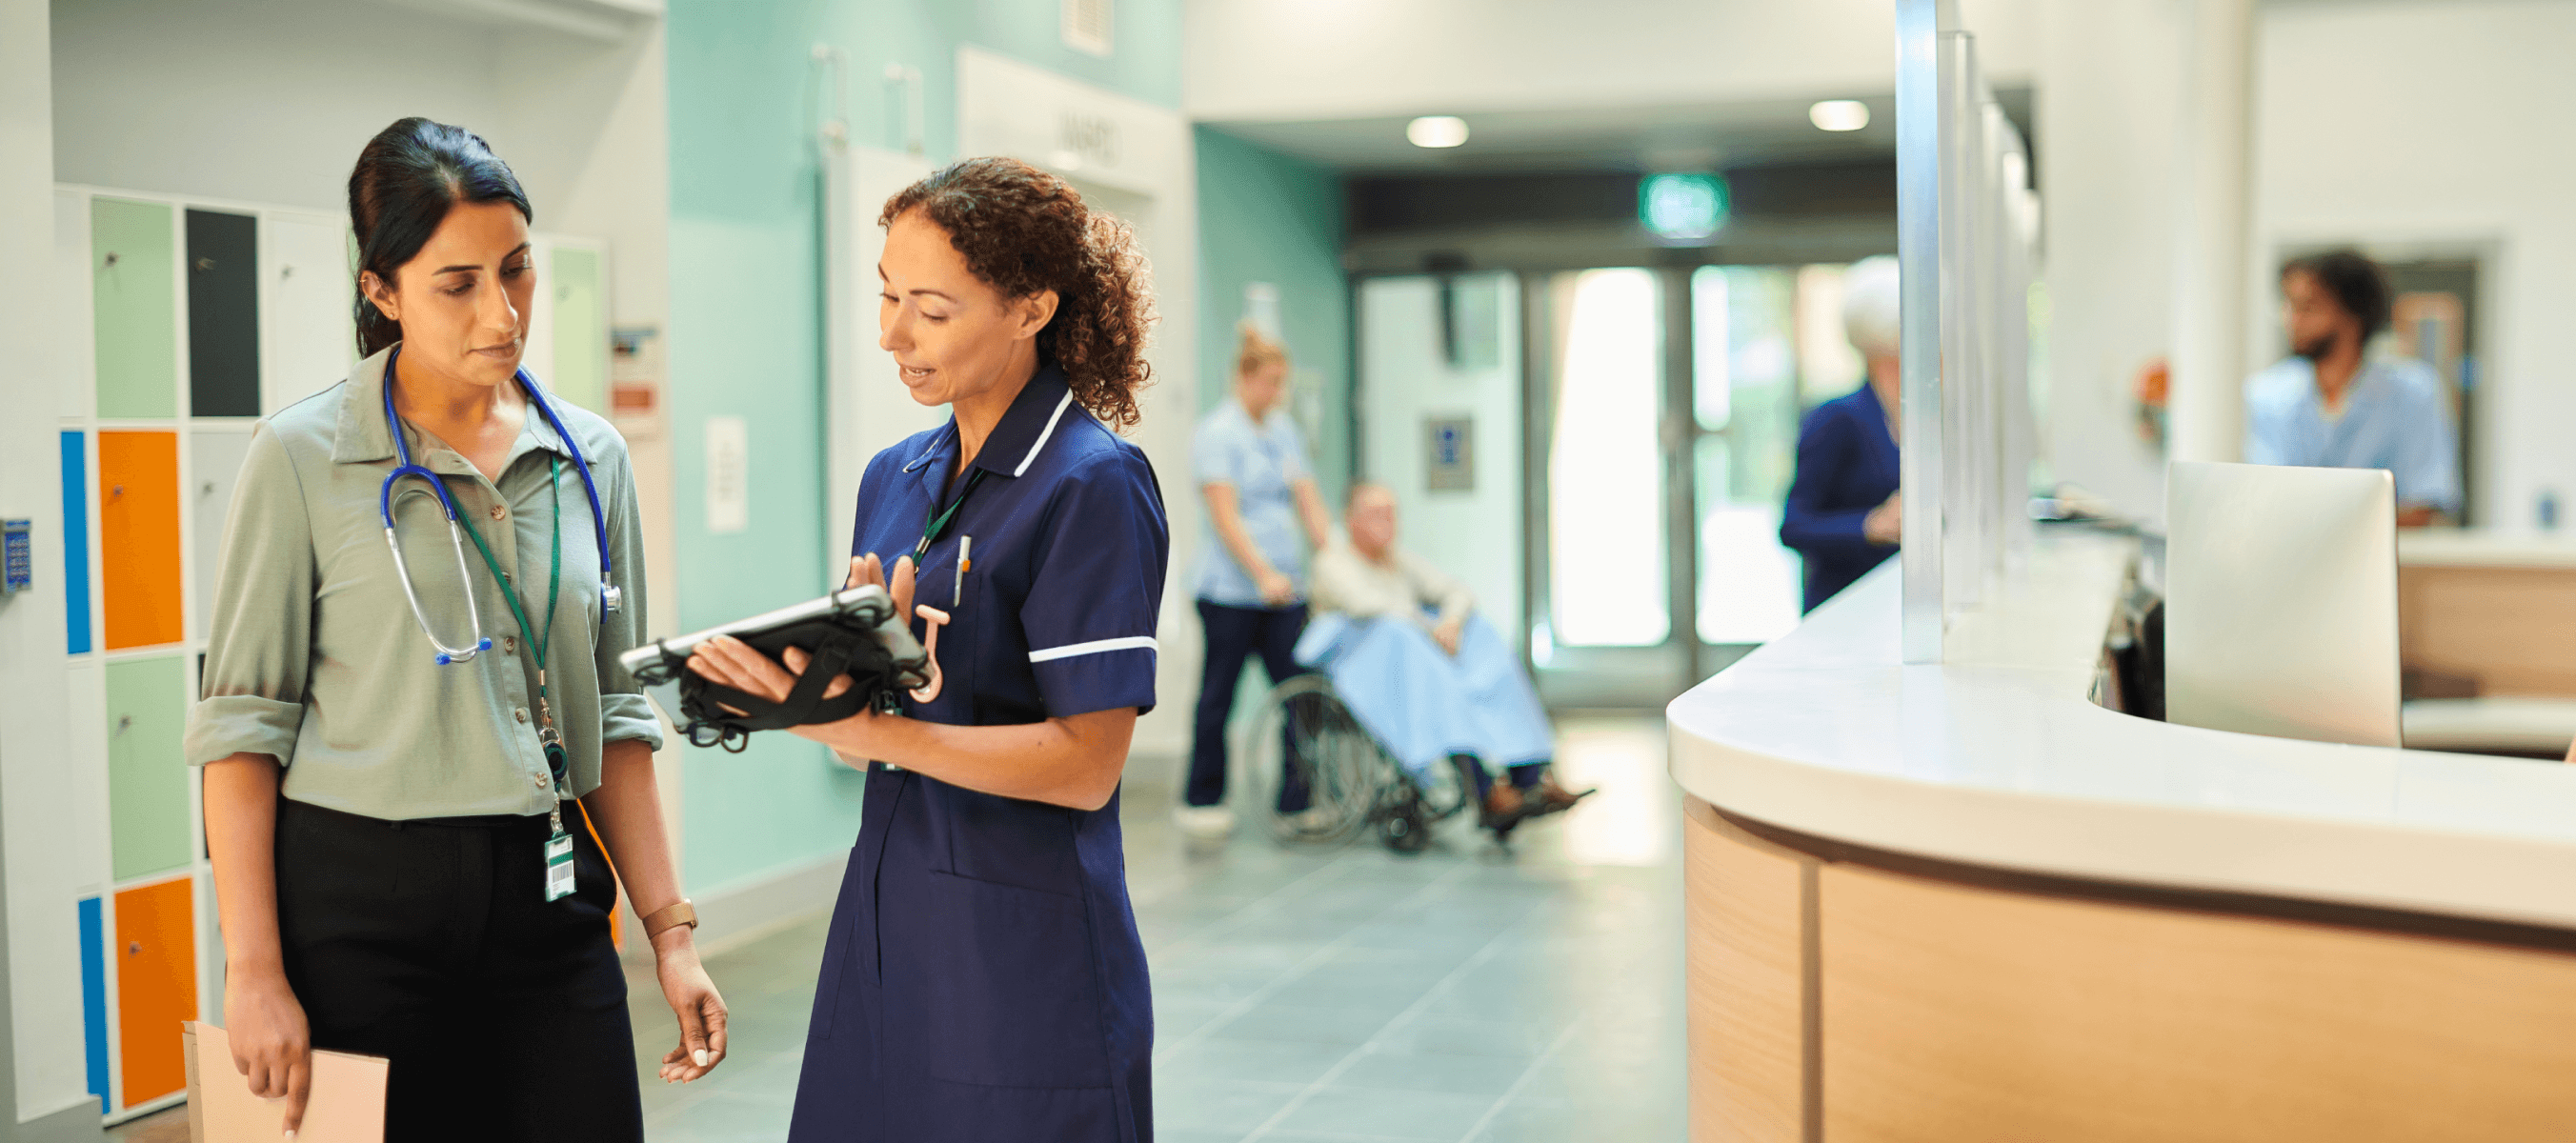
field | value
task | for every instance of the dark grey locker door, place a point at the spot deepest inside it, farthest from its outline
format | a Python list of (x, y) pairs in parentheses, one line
[(223, 314)]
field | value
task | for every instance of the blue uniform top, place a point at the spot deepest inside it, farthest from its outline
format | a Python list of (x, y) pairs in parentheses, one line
[(1263, 462), (1846, 466), (983, 978), (2394, 417)]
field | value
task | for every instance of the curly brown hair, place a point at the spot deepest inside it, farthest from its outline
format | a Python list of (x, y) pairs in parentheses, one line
[(1022, 231)]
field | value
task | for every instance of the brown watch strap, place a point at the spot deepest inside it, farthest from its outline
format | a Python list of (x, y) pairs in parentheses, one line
[(670, 916)]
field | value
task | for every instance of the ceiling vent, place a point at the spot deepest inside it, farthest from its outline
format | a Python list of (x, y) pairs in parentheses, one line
[(1086, 26)]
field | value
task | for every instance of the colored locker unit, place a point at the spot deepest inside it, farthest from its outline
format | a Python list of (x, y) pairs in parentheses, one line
[(134, 314), (223, 314), (307, 338), (76, 633), (580, 328), (138, 537), (156, 986), (214, 464), (93, 962), (147, 775)]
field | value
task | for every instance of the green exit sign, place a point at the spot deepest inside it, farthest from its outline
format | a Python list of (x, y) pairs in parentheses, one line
[(1682, 209)]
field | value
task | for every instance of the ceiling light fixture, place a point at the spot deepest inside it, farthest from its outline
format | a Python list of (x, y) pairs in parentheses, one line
[(1839, 115), (1436, 131)]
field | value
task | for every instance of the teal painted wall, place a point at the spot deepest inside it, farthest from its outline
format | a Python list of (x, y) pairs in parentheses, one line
[(1267, 217), (746, 327)]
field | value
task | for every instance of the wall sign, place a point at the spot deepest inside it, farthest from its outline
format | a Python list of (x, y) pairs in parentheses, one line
[(728, 475), (1449, 454), (17, 556)]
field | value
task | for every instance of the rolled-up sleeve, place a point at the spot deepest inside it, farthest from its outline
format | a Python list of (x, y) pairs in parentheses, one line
[(1090, 626), (624, 713), (259, 646)]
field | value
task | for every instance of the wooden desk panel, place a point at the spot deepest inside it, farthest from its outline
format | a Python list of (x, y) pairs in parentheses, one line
[(2511, 628), (1746, 966), (1961, 1013)]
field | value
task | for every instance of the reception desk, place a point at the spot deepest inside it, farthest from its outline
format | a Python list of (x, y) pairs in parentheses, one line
[(1962, 902)]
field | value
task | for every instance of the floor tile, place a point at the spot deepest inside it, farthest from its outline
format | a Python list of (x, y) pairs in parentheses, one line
[(1387, 1114)]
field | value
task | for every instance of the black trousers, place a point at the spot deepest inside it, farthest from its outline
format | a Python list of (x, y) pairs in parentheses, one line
[(432, 944), (1235, 634)]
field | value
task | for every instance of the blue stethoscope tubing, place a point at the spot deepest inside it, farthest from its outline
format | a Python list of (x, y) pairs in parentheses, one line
[(609, 595)]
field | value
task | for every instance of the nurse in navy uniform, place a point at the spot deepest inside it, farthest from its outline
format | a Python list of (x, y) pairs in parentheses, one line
[(983, 979)]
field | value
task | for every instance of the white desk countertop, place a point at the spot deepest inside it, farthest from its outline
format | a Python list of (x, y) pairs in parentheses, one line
[(1998, 758), (2473, 547)]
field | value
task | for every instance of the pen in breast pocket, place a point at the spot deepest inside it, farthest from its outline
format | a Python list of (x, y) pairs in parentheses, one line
[(965, 560)]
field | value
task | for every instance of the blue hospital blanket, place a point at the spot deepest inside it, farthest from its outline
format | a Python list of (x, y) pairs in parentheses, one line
[(1424, 706)]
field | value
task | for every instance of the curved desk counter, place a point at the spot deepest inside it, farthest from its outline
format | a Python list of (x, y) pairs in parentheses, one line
[(1963, 902)]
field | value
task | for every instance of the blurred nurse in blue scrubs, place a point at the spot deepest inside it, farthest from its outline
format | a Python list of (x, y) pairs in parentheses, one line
[(2330, 405), (1263, 516), (1843, 516)]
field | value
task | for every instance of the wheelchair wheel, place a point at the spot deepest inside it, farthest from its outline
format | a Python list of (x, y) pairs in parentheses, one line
[(1302, 728)]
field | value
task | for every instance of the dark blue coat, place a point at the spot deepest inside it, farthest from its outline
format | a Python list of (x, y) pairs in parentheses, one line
[(983, 979), (1846, 466)]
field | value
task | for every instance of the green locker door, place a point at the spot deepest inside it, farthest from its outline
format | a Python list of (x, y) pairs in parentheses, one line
[(581, 329), (147, 777), (135, 315)]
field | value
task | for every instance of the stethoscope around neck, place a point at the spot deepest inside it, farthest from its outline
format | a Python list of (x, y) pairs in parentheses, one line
[(609, 594)]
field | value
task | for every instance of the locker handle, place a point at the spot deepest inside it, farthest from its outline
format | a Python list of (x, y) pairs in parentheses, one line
[(116, 490), (205, 263), (111, 258), (124, 722), (134, 948), (285, 272)]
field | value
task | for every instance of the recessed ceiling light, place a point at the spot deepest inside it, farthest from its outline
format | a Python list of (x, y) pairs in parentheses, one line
[(1436, 131), (1839, 115)]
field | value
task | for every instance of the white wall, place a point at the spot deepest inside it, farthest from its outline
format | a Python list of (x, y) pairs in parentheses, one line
[(2430, 125), (1323, 59), (44, 946), (2108, 96), (1405, 376)]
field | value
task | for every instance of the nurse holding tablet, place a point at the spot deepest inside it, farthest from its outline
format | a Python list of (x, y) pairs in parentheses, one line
[(983, 979)]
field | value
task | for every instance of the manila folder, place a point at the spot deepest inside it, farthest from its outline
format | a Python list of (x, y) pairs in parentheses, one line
[(347, 1104)]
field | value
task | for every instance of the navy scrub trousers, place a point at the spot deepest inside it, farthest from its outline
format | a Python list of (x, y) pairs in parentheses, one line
[(1235, 634), (431, 943), (983, 979)]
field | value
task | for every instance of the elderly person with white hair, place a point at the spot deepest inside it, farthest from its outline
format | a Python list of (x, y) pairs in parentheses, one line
[(1844, 515), (1430, 679)]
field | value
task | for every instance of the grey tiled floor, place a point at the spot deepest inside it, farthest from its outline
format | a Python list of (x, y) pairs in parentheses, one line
[(1465, 995)]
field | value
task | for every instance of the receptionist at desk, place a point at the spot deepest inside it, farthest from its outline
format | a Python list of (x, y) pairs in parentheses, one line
[(2328, 405)]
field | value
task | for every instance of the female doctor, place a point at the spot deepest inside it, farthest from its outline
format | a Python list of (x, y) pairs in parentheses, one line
[(414, 752), (983, 979)]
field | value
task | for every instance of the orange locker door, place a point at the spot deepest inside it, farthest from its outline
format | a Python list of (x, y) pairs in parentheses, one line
[(156, 987), (138, 537)]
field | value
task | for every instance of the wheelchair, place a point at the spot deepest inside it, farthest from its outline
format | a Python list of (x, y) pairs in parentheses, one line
[(1304, 734)]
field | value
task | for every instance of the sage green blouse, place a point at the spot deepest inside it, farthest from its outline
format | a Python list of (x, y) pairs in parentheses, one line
[(314, 657)]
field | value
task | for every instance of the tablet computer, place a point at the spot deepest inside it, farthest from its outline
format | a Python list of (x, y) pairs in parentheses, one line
[(865, 606)]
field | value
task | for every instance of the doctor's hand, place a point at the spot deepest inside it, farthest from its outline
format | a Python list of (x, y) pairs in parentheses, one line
[(272, 1045), (694, 1000)]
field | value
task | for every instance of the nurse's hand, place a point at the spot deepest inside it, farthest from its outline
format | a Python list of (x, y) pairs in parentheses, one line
[(868, 569), (272, 1045), (693, 998)]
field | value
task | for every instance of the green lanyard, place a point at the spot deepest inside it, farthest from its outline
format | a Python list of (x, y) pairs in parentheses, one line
[(556, 760), (936, 523)]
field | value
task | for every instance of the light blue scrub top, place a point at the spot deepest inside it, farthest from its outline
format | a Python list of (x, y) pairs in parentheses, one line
[(2394, 417), (1263, 462)]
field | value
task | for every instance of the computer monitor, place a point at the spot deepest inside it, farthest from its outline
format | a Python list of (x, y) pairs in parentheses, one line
[(2281, 601)]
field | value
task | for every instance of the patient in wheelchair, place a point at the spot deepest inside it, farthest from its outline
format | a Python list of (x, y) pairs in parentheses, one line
[(1433, 681)]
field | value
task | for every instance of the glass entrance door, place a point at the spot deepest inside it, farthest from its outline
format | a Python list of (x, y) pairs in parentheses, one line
[(1664, 407)]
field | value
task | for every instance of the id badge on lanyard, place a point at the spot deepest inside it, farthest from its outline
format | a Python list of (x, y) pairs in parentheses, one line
[(559, 878)]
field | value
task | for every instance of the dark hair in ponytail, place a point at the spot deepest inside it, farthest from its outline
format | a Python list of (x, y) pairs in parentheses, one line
[(405, 181)]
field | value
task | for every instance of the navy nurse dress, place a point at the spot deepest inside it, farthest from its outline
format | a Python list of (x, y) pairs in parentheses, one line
[(983, 979)]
